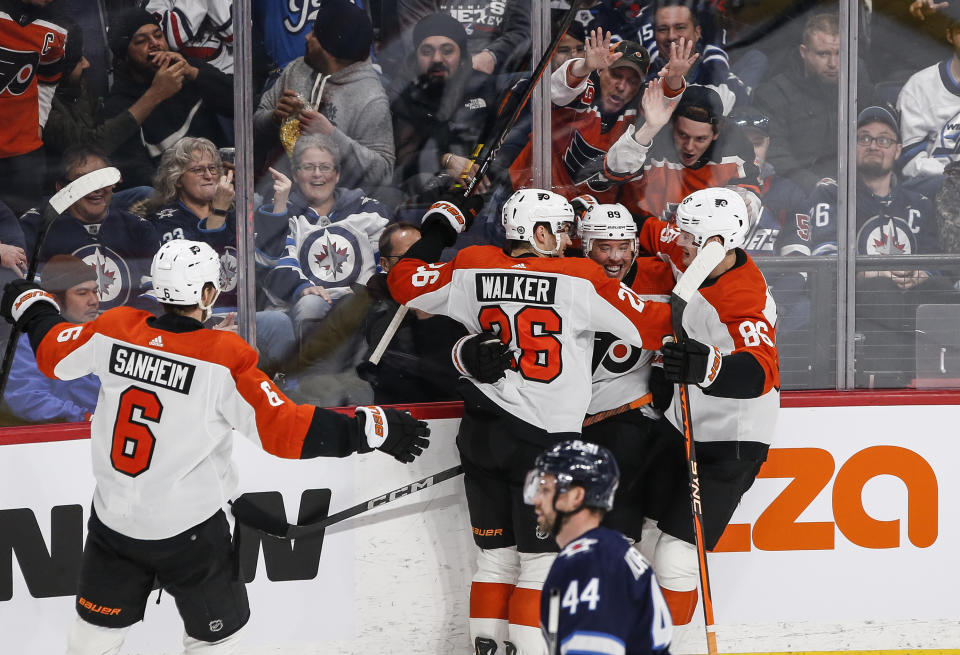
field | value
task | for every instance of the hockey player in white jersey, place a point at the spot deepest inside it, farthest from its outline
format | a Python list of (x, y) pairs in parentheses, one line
[(729, 362), (172, 394), (601, 596), (545, 309)]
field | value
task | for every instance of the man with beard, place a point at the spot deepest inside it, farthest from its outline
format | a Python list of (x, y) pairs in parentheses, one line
[(140, 51), (72, 118), (441, 115), (346, 99), (891, 220), (607, 597)]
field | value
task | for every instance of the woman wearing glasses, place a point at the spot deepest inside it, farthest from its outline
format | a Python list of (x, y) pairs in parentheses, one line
[(193, 199), (321, 243)]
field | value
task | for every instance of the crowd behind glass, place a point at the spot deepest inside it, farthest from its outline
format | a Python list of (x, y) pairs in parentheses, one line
[(365, 115)]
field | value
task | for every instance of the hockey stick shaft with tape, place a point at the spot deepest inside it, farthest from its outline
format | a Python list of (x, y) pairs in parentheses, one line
[(58, 203), (245, 512), (710, 255), (486, 153)]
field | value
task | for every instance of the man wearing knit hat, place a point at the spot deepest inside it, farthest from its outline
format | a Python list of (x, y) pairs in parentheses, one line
[(140, 53), (334, 90), (443, 107), (31, 395)]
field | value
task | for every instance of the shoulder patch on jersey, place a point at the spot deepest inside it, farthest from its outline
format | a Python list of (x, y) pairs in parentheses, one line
[(638, 563), (581, 545)]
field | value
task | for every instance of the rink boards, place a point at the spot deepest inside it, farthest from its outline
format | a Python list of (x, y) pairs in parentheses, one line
[(847, 542)]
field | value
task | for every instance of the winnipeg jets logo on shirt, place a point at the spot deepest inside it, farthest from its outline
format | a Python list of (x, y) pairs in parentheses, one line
[(331, 257), (581, 545), (229, 267), (886, 235), (113, 274)]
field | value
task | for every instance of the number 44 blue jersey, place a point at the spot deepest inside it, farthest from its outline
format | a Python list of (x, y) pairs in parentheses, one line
[(610, 602)]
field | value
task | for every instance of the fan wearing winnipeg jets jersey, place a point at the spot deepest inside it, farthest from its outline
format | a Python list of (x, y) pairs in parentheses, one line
[(929, 106), (601, 596), (546, 309), (728, 360), (118, 244), (172, 396), (595, 100)]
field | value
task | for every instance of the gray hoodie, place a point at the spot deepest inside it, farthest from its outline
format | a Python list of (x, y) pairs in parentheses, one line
[(353, 100)]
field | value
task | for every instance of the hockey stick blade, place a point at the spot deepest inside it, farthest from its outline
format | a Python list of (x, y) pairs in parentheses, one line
[(59, 203), (388, 334), (248, 514)]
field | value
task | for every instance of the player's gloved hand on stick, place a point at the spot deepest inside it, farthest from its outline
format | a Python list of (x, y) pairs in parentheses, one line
[(395, 433), (455, 210), (23, 300), (484, 356), (660, 388), (691, 362)]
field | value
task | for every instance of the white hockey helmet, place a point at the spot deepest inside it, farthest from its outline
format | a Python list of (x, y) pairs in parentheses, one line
[(715, 211), (527, 207), (180, 269), (611, 221)]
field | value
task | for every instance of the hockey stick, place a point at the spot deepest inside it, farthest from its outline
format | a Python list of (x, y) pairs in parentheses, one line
[(58, 203), (249, 514), (553, 622), (707, 259), (489, 150)]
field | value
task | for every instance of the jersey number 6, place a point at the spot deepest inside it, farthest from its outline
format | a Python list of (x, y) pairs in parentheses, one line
[(535, 329), (132, 447)]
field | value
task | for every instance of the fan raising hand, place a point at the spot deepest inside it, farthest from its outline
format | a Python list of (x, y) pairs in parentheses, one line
[(597, 54)]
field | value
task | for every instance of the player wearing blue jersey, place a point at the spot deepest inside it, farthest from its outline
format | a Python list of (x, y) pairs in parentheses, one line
[(602, 594)]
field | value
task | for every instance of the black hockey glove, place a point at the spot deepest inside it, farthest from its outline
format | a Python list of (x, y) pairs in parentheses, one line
[(454, 210), (691, 362), (395, 433), (24, 300), (484, 357), (660, 388)]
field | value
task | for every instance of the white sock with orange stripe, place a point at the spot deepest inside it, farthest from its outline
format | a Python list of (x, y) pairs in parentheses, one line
[(493, 585), (525, 632)]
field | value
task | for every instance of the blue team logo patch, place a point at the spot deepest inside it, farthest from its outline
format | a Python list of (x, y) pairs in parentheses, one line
[(113, 274), (229, 268), (331, 257), (886, 235), (948, 141), (581, 545)]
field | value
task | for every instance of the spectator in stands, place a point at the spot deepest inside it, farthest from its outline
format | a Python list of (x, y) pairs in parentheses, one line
[(499, 32), (73, 122), (30, 394), (416, 366), (891, 220), (12, 254), (140, 53), (346, 100), (33, 58), (801, 103), (673, 19), (193, 200), (198, 29), (118, 244), (929, 106), (322, 239), (441, 112), (596, 100), (699, 150)]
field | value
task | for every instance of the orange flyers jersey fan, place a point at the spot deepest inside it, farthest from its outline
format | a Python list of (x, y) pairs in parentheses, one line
[(736, 313), (621, 372), (162, 463), (30, 55), (547, 309)]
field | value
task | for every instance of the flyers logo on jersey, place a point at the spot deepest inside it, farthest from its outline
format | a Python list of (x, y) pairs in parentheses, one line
[(17, 70)]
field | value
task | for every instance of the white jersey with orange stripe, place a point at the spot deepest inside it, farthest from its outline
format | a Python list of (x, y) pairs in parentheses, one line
[(736, 313), (201, 29), (171, 395), (547, 309)]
